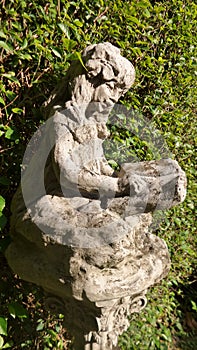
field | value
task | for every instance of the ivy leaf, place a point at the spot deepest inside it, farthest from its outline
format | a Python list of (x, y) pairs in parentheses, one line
[(9, 133), (24, 56), (1, 342), (3, 326), (2, 101), (78, 23), (7, 47), (11, 76), (64, 29), (56, 53), (3, 221), (2, 34), (17, 310), (134, 20), (17, 110), (2, 203), (40, 326), (24, 45), (76, 56)]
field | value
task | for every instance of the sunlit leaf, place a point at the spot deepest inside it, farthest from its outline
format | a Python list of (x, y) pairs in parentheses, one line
[(2, 34), (134, 20), (11, 76), (64, 29), (1, 342), (17, 310), (7, 47), (9, 133), (40, 326), (78, 23), (56, 53), (24, 45), (3, 326), (2, 101), (2, 203), (17, 110)]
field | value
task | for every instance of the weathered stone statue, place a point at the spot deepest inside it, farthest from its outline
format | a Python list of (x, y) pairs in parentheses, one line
[(79, 229)]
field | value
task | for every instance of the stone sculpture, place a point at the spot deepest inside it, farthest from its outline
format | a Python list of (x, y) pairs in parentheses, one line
[(79, 229)]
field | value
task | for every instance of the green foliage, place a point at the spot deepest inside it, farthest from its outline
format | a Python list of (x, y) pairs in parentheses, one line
[(3, 219), (23, 321), (38, 40), (3, 331), (17, 310), (3, 326)]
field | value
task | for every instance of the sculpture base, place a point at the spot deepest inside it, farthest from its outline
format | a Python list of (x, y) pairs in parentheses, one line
[(95, 288)]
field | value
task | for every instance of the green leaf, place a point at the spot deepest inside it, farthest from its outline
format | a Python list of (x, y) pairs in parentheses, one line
[(76, 56), (10, 94), (80, 59), (17, 110), (64, 29), (3, 221), (9, 133), (7, 47), (134, 20), (2, 101), (8, 345), (2, 34), (194, 305), (69, 44), (56, 53), (1, 342), (17, 310), (2, 203), (24, 45), (113, 163), (24, 56), (78, 23), (40, 326), (3, 326), (11, 76)]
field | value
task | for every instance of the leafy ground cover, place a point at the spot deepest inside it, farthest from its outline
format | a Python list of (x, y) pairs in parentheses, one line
[(38, 40)]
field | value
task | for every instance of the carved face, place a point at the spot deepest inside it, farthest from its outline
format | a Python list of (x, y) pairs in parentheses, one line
[(110, 73)]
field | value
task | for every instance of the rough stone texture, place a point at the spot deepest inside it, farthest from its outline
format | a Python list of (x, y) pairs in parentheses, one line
[(82, 231)]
